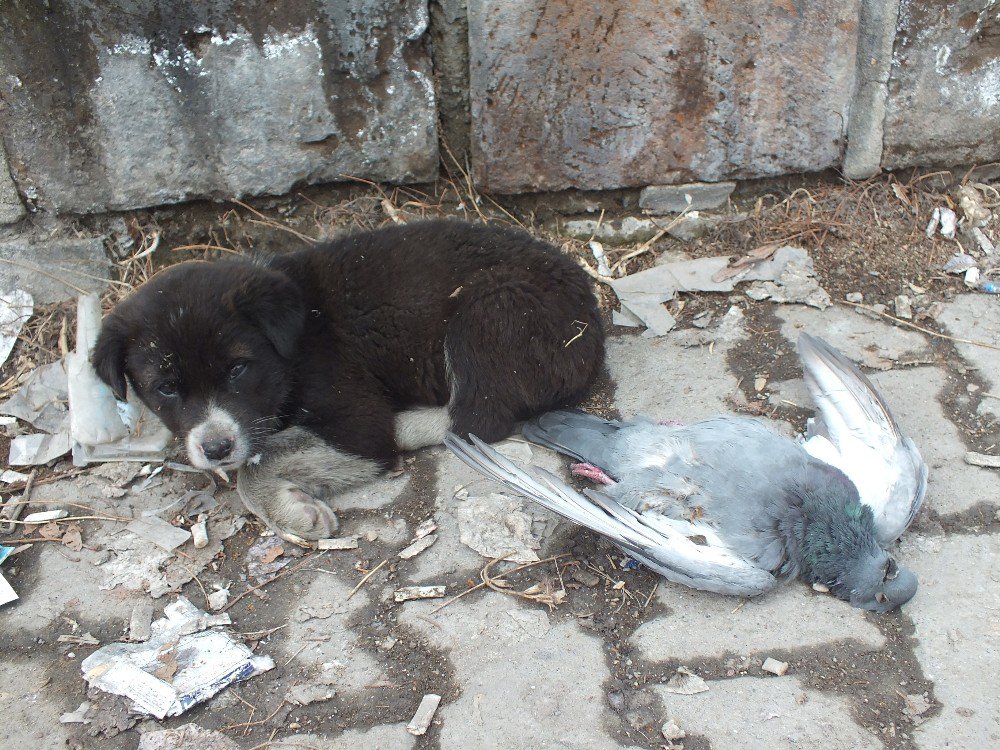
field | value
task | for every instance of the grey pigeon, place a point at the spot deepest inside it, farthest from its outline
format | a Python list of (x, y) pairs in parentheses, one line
[(729, 505)]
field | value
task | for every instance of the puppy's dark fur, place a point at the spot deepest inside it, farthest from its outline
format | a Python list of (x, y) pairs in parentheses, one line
[(338, 339)]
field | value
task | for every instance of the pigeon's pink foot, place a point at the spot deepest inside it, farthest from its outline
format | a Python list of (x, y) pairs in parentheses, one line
[(591, 472), (670, 423)]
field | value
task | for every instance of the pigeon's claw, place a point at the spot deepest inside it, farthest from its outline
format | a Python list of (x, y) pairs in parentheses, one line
[(591, 472)]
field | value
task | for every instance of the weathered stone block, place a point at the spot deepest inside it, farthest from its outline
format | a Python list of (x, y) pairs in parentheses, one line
[(603, 95), (11, 208), (672, 199), (108, 109), (944, 88)]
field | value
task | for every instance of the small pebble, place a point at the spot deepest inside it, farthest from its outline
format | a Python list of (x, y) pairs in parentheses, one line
[(774, 666), (671, 731)]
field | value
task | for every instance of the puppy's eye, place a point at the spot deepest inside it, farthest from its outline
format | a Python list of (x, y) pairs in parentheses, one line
[(236, 370), (167, 388)]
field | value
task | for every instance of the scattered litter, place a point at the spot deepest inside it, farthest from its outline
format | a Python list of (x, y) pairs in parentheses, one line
[(140, 622), (671, 731), (132, 562), (303, 695), (915, 706), (77, 717), (317, 688), (218, 599), (44, 516), (41, 400), (194, 663), (421, 720), (79, 640), (821, 588), (959, 263), (990, 287), (974, 213), (774, 666), (982, 459), (418, 546), (15, 308), (199, 532), (102, 428), (186, 737), (35, 450), (602, 260), (265, 558), (426, 527), (904, 308), (338, 543), (984, 242), (497, 526), (972, 277), (730, 329), (786, 276), (7, 593), (685, 682), (949, 222), (409, 593), (9, 476), (161, 533)]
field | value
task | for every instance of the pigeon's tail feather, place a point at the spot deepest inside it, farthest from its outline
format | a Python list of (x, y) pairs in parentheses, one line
[(656, 543), (574, 433)]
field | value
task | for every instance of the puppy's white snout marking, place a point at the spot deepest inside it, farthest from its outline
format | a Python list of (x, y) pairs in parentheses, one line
[(217, 441)]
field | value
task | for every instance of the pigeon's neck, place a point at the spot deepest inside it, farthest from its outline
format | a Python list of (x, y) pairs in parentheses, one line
[(832, 528)]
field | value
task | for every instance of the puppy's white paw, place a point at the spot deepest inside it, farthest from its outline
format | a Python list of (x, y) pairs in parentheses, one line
[(301, 518)]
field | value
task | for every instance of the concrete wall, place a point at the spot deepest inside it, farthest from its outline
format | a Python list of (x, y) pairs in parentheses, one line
[(116, 105)]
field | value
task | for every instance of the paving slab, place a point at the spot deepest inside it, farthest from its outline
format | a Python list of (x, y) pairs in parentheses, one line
[(528, 680), (952, 485), (654, 378), (955, 616), (698, 624), (27, 704), (388, 737), (976, 317), (771, 712), (320, 634), (869, 342)]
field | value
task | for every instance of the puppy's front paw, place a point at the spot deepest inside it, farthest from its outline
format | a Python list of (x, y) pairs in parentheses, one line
[(299, 517)]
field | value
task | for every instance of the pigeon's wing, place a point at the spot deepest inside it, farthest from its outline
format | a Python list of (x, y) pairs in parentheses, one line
[(856, 432), (663, 545)]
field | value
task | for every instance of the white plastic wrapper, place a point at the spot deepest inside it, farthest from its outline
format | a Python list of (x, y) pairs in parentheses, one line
[(182, 664)]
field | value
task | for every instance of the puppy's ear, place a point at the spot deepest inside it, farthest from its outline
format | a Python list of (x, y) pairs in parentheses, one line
[(108, 357), (274, 303)]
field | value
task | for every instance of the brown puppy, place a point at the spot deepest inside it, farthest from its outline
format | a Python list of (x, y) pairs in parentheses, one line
[(311, 371)]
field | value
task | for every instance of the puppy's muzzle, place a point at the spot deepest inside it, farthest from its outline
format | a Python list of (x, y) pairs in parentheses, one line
[(217, 442), (217, 449)]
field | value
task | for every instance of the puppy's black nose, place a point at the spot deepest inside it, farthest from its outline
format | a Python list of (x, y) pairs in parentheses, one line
[(217, 449)]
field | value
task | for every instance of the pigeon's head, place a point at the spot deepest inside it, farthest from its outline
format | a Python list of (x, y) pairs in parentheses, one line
[(842, 552), (874, 581)]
